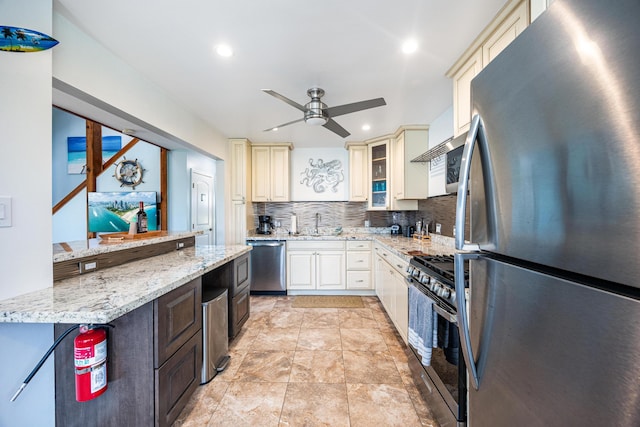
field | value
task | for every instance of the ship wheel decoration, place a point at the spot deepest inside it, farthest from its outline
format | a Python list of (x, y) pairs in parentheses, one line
[(129, 173)]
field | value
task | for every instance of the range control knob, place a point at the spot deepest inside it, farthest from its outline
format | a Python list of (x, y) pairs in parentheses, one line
[(424, 279), (410, 270), (435, 286), (416, 272), (445, 293)]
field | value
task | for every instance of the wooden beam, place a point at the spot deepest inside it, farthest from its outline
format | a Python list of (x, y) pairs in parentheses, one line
[(94, 153), (164, 187)]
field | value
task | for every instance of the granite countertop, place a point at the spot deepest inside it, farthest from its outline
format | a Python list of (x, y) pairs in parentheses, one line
[(107, 294), (64, 251), (404, 247)]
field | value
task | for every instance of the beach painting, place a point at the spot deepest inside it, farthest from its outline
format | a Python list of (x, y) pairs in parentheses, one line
[(77, 152), (14, 39), (113, 211)]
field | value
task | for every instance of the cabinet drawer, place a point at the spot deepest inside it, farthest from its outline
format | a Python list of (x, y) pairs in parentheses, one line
[(177, 379), (358, 260), (178, 315), (359, 280), (242, 272), (240, 310), (359, 245), (315, 245)]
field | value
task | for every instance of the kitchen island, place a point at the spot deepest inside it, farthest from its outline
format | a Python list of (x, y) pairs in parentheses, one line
[(154, 349)]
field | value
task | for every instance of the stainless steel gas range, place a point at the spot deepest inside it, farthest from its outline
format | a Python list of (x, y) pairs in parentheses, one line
[(441, 373)]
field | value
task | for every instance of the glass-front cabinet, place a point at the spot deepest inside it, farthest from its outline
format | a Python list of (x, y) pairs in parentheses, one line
[(379, 175)]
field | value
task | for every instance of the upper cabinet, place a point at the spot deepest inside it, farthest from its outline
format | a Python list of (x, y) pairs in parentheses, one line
[(270, 172), (240, 169), (505, 27), (410, 178), (394, 182), (358, 171)]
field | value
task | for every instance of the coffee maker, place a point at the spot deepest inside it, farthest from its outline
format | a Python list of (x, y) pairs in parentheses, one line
[(265, 225)]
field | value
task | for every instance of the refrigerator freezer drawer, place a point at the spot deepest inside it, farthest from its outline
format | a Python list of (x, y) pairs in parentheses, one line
[(551, 352)]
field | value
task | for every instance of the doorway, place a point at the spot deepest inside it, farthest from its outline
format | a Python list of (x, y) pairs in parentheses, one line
[(203, 207)]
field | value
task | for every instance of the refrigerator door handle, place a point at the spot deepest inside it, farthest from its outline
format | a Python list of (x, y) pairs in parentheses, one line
[(463, 324), (476, 133)]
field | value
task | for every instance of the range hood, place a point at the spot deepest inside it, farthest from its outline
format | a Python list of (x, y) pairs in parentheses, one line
[(442, 148)]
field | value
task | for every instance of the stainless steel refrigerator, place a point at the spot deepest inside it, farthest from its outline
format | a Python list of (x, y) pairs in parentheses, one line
[(552, 168)]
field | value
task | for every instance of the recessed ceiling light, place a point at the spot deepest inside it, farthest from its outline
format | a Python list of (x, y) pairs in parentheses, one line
[(224, 50), (274, 129), (409, 46), (366, 127)]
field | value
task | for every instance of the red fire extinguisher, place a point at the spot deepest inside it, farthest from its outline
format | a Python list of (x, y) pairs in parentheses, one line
[(90, 360)]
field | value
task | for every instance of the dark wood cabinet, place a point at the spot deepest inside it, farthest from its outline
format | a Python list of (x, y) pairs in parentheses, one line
[(154, 365), (177, 379), (178, 317), (234, 276)]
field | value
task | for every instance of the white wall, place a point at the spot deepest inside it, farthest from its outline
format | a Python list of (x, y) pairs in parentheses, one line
[(25, 248)]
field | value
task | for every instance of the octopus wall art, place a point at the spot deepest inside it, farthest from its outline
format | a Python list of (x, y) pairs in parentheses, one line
[(323, 177)]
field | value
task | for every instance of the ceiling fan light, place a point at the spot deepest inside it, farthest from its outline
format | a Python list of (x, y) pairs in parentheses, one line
[(316, 121)]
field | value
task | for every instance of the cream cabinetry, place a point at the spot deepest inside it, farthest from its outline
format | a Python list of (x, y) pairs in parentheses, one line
[(392, 289), (316, 265), (382, 176), (270, 172), (501, 31), (359, 265), (410, 180), (358, 172), (240, 169)]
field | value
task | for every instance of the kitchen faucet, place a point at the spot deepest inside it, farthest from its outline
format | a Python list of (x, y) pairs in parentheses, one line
[(317, 221)]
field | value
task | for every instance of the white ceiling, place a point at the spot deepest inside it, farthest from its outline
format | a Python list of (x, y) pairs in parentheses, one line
[(350, 48)]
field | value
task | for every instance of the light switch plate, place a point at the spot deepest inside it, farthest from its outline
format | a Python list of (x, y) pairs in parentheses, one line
[(5, 211)]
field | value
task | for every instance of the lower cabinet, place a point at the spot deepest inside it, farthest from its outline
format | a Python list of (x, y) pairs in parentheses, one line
[(359, 265), (316, 265), (154, 360), (235, 276), (392, 289)]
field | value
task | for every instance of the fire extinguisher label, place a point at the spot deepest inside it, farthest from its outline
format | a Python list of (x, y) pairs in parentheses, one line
[(98, 377), (87, 356)]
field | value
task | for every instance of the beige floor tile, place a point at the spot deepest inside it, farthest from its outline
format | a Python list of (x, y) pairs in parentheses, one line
[(356, 318), (321, 318), (284, 319), (370, 367), (236, 357), (250, 404), (244, 339), (261, 303), (265, 366), (421, 407), (317, 367), (380, 405), (319, 339), (362, 340), (276, 339), (315, 405), (201, 406)]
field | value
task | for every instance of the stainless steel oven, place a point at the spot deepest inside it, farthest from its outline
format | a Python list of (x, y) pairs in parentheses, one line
[(443, 380)]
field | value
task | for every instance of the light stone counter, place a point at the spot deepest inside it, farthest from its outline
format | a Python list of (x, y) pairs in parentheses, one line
[(81, 248), (107, 294), (398, 244)]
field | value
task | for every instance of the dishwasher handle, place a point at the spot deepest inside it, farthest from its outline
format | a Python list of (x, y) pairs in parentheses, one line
[(270, 244)]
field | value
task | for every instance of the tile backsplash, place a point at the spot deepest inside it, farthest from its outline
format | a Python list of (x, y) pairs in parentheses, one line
[(439, 209)]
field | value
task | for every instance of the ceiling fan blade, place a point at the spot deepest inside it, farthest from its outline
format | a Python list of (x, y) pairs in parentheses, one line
[(284, 124), (334, 127), (285, 99), (356, 106)]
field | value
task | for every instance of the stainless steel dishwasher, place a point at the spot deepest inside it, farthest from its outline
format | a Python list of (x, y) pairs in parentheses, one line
[(268, 272)]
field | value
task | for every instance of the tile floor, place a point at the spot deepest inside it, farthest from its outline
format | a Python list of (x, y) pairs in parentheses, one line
[(311, 367)]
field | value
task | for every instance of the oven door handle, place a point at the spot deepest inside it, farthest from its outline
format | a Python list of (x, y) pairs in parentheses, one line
[(463, 323), (450, 317)]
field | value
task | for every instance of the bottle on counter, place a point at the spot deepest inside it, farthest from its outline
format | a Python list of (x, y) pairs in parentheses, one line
[(142, 225)]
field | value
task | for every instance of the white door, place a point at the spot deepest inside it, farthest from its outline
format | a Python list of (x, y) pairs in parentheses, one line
[(202, 207)]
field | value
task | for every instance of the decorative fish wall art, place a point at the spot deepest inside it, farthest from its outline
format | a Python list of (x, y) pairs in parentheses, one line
[(14, 39)]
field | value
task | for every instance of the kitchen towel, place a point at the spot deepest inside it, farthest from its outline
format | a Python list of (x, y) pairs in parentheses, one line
[(423, 324)]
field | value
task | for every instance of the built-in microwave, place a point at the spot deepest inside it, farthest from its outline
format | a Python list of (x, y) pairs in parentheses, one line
[(453, 160)]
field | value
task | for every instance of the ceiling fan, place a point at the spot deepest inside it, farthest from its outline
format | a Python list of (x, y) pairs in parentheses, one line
[(317, 113)]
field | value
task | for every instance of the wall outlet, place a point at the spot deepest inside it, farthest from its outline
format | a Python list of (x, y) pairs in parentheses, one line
[(438, 228)]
